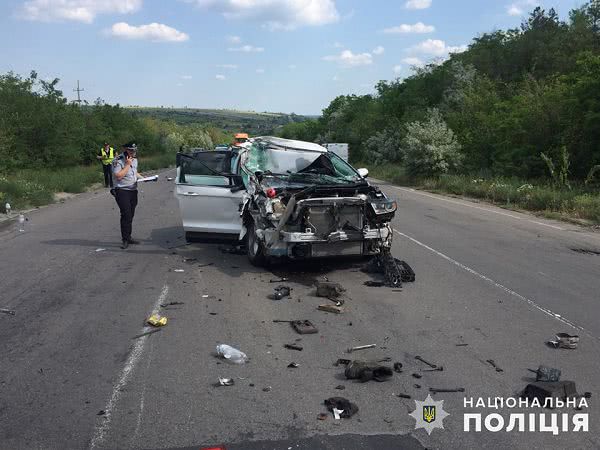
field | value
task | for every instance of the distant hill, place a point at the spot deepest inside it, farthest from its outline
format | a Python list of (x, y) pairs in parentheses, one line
[(252, 122)]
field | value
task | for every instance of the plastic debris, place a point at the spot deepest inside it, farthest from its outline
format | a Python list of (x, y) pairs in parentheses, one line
[(293, 365), (98, 250), (231, 354), (178, 270), (226, 382), (331, 309), (345, 408), (360, 347), (157, 320), (395, 272), (544, 373), (367, 371)]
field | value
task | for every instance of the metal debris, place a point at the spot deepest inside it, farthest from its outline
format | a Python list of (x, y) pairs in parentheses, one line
[(226, 382), (293, 347), (8, 311), (361, 347)]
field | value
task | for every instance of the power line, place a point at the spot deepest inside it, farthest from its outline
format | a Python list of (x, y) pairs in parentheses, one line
[(78, 90)]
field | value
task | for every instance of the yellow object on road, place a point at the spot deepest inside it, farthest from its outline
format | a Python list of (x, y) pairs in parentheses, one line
[(157, 321)]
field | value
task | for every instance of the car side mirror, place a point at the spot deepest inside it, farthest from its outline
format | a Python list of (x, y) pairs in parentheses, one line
[(364, 173)]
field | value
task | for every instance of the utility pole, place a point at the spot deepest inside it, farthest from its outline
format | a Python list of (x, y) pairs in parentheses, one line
[(78, 101)]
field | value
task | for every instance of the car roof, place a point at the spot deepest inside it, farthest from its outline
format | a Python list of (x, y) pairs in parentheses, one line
[(291, 144)]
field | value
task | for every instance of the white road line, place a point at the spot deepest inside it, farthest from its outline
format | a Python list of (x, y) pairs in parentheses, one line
[(498, 285), (556, 227), (133, 359)]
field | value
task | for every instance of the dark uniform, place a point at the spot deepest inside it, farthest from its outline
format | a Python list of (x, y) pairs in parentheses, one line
[(126, 194)]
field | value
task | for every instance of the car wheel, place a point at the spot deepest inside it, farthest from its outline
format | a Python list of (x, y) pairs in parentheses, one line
[(256, 254)]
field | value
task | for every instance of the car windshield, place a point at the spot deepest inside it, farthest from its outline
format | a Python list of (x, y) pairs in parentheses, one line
[(291, 166)]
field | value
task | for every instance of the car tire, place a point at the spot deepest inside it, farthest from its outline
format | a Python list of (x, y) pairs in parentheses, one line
[(254, 247)]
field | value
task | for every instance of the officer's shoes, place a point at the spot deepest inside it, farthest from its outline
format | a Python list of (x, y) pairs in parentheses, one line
[(133, 242), (125, 244)]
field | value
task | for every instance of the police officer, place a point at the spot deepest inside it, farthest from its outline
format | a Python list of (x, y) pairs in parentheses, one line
[(107, 155), (124, 169)]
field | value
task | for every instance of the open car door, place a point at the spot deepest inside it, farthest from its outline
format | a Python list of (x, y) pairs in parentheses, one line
[(209, 194)]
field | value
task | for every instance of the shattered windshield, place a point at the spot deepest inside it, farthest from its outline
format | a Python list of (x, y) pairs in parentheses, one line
[(291, 166)]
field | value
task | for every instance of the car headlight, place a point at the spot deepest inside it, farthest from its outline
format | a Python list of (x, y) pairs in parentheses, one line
[(384, 206)]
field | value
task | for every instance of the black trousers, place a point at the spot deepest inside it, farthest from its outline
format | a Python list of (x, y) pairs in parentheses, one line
[(107, 175), (127, 201)]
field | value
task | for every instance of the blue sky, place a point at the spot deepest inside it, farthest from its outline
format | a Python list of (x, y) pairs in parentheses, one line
[(262, 55)]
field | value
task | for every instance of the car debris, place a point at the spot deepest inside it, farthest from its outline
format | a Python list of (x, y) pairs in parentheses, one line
[(367, 370), (433, 366), (164, 305), (564, 340), (329, 289), (278, 280), (398, 367), (340, 387), (293, 365), (322, 416), (231, 354), (280, 292), (437, 369), (440, 390), (300, 326), (494, 365), (461, 345), (178, 270), (226, 382), (550, 389), (335, 309), (395, 271), (293, 347), (267, 389), (417, 375), (345, 407), (371, 283), (547, 374), (360, 347), (206, 264), (401, 395), (11, 312), (146, 333), (98, 250), (156, 320)]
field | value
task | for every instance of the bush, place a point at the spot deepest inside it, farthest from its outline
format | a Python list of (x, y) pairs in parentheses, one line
[(430, 147)]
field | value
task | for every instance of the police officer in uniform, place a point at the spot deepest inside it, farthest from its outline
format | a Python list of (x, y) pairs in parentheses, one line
[(124, 169), (107, 155)]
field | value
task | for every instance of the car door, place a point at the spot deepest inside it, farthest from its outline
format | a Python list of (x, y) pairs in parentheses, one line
[(209, 195)]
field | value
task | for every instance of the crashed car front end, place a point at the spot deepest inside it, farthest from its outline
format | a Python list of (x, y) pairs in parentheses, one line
[(323, 209)]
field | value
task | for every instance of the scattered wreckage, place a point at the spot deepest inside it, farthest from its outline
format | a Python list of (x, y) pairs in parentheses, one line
[(284, 198)]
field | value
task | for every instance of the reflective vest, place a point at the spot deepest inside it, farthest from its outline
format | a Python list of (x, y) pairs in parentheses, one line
[(107, 158)]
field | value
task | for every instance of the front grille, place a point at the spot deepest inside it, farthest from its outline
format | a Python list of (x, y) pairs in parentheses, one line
[(322, 219)]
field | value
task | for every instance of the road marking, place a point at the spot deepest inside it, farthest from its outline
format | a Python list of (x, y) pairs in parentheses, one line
[(134, 357), (556, 227), (498, 285)]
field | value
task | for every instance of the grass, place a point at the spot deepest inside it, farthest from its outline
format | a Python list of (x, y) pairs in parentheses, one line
[(36, 187), (580, 202)]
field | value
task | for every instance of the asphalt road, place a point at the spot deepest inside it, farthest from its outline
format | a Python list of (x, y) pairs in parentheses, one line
[(72, 376)]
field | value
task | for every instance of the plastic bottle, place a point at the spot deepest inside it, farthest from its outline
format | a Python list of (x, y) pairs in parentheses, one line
[(21, 223), (231, 354)]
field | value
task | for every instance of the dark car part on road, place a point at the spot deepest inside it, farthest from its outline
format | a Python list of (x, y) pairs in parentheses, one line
[(367, 370), (340, 403), (395, 271), (433, 366), (293, 365), (440, 390), (494, 365), (547, 374), (437, 369), (403, 396), (293, 347), (164, 305), (8, 311), (329, 289), (280, 292), (398, 367), (360, 347), (564, 340), (371, 283), (417, 375), (550, 389)]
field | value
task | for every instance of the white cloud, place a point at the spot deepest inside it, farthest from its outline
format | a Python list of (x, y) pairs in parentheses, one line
[(186, 77), (412, 61), (417, 4), (417, 28), (276, 14), (518, 8), (338, 45), (397, 69), (514, 10), (260, 71), (246, 49), (228, 66), (220, 77), (77, 10), (155, 32), (348, 59), (234, 39), (292, 67), (379, 50), (437, 47)]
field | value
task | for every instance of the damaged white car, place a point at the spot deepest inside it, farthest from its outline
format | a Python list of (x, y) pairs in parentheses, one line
[(284, 198)]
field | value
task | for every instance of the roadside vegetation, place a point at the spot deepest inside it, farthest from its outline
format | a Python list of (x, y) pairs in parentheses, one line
[(518, 108), (48, 145)]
